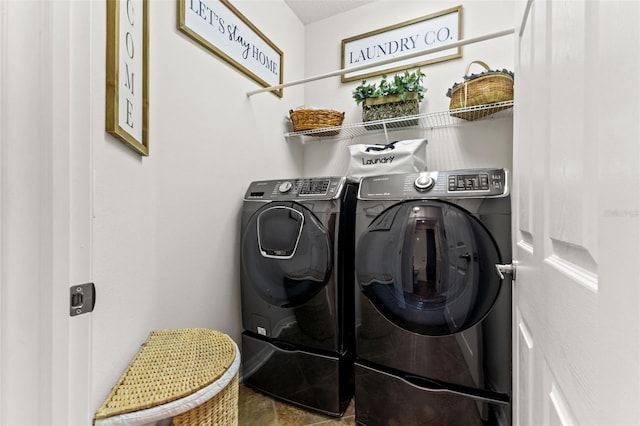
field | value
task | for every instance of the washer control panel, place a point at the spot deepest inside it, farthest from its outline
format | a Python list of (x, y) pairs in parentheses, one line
[(467, 183), (324, 188), (471, 182)]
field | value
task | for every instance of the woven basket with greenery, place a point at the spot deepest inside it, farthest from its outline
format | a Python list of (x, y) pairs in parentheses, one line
[(390, 106), (392, 98), (314, 119), (488, 87)]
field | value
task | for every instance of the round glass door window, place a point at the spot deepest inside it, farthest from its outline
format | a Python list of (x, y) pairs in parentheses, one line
[(286, 254), (429, 267)]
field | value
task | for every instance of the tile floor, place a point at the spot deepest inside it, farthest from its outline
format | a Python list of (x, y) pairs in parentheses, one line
[(257, 409)]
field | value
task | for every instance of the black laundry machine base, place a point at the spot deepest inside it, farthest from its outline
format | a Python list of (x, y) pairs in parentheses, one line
[(383, 398), (321, 382)]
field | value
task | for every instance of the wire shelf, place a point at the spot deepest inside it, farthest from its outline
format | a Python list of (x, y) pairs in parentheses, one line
[(429, 121)]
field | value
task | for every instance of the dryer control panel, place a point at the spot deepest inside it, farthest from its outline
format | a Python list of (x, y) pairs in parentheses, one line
[(321, 188), (467, 183)]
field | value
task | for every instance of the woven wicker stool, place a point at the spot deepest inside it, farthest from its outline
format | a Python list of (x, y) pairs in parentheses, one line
[(179, 377)]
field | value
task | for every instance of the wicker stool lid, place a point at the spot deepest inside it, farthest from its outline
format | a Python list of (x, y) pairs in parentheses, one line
[(170, 365)]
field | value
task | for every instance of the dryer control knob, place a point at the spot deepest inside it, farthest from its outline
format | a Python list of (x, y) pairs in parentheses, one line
[(423, 183), (285, 187)]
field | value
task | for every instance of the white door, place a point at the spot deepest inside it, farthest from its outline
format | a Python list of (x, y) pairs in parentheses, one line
[(45, 211), (577, 214)]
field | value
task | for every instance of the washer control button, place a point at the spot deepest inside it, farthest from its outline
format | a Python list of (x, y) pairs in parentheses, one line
[(423, 183), (285, 187)]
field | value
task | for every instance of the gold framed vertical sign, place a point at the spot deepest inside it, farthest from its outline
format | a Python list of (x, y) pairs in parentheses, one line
[(127, 91)]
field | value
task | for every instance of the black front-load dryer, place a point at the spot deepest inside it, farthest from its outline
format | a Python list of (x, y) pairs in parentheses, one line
[(297, 255), (433, 334)]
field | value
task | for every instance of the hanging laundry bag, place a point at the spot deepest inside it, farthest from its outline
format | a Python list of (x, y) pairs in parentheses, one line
[(404, 156)]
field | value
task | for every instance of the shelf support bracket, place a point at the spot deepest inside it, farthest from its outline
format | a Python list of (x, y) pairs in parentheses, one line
[(386, 133)]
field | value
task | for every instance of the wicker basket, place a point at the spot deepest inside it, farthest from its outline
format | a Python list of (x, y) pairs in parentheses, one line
[(488, 88), (389, 107), (167, 374), (221, 410), (314, 119)]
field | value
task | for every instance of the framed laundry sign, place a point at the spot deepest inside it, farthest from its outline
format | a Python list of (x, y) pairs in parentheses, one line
[(401, 39), (127, 85), (222, 29)]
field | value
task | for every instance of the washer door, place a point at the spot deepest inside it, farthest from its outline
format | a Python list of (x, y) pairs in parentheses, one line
[(286, 254), (428, 267)]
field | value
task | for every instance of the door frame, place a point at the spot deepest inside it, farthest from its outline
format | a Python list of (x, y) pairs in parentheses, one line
[(45, 211)]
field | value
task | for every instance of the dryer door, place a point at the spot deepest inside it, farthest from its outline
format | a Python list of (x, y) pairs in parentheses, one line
[(428, 267), (286, 254)]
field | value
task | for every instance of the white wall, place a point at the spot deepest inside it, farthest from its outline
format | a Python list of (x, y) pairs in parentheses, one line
[(166, 226), (485, 145)]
